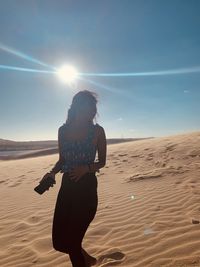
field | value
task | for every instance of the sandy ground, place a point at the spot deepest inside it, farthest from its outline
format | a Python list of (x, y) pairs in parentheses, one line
[(148, 213)]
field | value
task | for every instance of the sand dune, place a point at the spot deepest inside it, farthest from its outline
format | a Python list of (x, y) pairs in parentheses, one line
[(30, 154), (148, 213), (20, 150)]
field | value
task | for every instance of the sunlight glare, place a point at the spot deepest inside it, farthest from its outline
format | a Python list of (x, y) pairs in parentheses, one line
[(67, 74)]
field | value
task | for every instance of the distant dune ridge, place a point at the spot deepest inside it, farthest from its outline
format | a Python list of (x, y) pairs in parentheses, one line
[(20, 145), (148, 213), (30, 149)]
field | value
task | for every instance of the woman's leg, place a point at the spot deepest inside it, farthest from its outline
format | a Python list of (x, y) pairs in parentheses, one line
[(80, 258), (77, 258), (88, 258), (83, 212)]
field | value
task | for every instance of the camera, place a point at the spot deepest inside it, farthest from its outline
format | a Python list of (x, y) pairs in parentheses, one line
[(44, 185)]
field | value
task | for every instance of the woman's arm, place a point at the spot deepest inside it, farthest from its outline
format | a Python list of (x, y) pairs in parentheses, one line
[(102, 151), (58, 166)]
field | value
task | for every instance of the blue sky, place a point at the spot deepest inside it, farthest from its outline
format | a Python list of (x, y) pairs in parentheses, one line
[(101, 37)]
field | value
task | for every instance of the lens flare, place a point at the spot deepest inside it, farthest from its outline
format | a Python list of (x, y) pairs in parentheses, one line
[(148, 73), (13, 68), (69, 74), (24, 56)]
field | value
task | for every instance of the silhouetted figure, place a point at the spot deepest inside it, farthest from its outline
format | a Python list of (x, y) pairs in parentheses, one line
[(77, 199)]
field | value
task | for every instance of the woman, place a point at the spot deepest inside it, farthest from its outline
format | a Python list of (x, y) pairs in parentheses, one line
[(77, 200)]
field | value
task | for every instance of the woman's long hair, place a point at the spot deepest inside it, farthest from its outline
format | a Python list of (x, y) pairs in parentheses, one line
[(82, 99)]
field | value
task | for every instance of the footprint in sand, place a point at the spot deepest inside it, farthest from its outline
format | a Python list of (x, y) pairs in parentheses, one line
[(110, 259), (33, 219)]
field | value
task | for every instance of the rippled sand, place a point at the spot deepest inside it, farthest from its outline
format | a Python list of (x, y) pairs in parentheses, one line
[(148, 213)]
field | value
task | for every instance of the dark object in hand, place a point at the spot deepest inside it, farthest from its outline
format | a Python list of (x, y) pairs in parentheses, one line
[(44, 185)]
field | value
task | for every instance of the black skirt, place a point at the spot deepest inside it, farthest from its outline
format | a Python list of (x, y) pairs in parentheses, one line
[(75, 208)]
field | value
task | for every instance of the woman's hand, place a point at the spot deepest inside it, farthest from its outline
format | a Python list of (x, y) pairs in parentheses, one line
[(78, 171)]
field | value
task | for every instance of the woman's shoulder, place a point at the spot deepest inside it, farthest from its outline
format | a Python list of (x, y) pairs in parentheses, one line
[(100, 130), (98, 126), (62, 128)]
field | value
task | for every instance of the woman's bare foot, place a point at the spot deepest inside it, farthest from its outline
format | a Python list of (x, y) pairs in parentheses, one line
[(89, 259)]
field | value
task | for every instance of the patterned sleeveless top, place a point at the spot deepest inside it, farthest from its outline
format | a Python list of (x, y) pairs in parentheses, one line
[(78, 152)]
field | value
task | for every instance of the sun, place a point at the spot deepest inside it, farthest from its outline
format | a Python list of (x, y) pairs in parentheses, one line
[(67, 74)]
